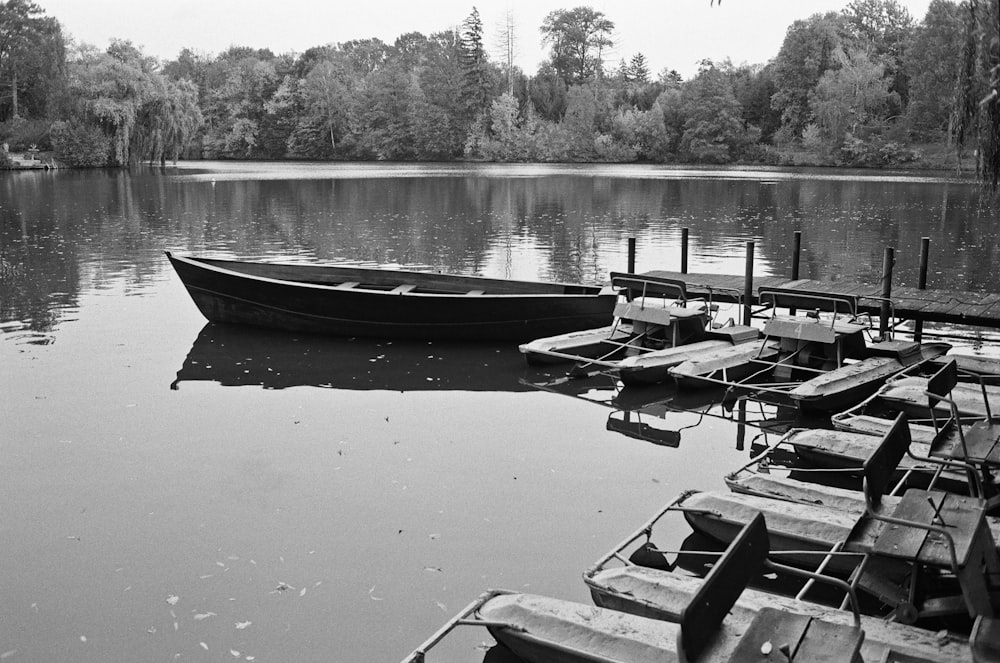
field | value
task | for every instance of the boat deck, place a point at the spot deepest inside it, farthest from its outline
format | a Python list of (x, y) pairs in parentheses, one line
[(931, 305)]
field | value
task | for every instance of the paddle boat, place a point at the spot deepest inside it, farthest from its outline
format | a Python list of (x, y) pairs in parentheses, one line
[(617, 582), (539, 629), (944, 536), (656, 324)]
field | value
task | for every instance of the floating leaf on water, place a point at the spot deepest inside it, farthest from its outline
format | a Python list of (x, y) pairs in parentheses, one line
[(83, 638), (433, 568), (242, 625), (203, 646), (443, 607), (151, 629), (302, 592), (235, 653), (173, 599), (204, 615)]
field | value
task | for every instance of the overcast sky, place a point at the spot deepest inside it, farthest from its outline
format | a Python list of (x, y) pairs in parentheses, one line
[(672, 34)]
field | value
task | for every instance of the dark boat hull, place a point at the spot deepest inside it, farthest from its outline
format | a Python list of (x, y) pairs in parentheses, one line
[(438, 307)]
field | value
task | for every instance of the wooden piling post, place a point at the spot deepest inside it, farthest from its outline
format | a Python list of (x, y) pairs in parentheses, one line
[(925, 248), (796, 251), (748, 285), (684, 250), (888, 261), (631, 255), (741, 426)]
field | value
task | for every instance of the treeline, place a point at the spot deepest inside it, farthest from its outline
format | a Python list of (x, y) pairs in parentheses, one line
[(867, 86)]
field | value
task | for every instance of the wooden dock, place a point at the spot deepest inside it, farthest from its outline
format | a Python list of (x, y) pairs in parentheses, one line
[(931, 305)]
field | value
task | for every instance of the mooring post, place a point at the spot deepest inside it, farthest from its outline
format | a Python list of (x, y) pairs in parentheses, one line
[(631, 255), (796, 250), (684, 250), (888, 260), (741, 425), (925, 249), (748, 285)]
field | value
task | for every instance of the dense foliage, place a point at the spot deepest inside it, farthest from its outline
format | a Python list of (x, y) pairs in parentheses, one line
[(868, 86)]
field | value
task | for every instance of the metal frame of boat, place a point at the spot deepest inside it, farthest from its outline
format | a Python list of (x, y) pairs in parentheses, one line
[(386, 303)]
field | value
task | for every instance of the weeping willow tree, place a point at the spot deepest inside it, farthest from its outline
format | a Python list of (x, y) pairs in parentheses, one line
[(977, 107)]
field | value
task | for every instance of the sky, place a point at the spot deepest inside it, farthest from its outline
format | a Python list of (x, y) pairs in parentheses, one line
[(671, 34)]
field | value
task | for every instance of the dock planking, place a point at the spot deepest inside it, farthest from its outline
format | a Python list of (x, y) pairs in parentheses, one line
[(932, 305)]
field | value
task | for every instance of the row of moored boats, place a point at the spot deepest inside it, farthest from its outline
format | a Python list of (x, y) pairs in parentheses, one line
[(870, 538)]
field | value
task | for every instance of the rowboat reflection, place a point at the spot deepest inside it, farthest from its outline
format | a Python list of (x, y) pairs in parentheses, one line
[(241, 356)]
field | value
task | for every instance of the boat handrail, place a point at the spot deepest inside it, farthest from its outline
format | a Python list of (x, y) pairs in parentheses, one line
[(791, 298), (648, 286)]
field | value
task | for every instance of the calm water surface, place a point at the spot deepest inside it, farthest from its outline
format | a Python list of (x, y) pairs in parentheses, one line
[(179, 491)]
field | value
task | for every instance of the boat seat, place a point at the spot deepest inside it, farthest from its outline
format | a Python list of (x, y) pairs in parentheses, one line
[(476, 292), (400, 289), (807, 638), (655, 315), (346, 285), (639, 285), (977, 445), (931, 528)]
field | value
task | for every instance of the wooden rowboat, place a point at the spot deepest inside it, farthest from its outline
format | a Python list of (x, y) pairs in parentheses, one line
[(383, 303)]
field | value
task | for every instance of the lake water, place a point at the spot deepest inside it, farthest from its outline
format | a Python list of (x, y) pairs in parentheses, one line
[(178, 491)]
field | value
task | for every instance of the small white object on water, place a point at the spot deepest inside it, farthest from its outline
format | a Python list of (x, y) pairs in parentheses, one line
[(766, 648)]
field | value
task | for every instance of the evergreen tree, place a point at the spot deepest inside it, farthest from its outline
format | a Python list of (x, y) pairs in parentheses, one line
[(637, 70), (32, 57), (475, 74)]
